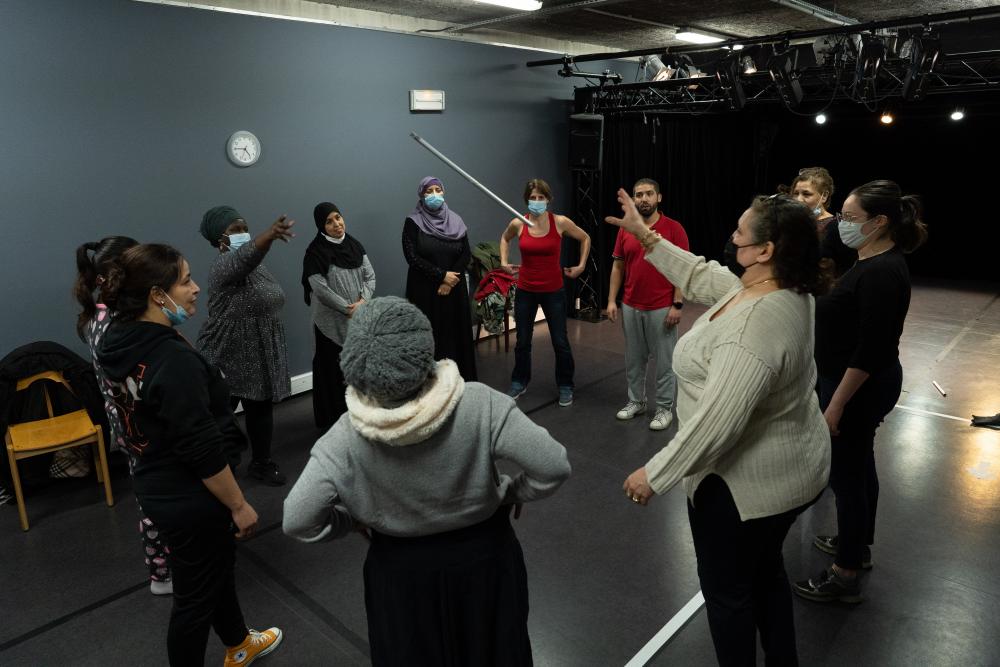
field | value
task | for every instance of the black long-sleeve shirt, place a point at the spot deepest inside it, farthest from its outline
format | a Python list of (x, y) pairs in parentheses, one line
[(859, 323)]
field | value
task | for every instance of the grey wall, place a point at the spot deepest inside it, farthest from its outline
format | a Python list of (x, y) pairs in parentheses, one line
[(114, 116)]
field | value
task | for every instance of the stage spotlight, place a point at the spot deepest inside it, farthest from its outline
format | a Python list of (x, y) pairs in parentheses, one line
[(728, 76), (958, 114), (786, 80), (923, 51), (655, 69), (871, 54), (887, 118), (749, 67), (820, 118)]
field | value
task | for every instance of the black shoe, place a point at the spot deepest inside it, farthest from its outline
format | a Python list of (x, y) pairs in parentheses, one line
[(828, 586), (828, 544), (267, 472)]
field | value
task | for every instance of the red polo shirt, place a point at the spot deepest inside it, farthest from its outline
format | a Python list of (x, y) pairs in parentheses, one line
[(645, 287)]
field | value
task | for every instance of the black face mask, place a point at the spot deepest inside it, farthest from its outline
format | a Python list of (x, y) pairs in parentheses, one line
[(729, 258)]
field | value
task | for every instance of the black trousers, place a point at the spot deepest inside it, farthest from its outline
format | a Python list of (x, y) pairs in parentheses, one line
[(743, 577), (329, 389), (198, 532), (259, 421), (853, 477)]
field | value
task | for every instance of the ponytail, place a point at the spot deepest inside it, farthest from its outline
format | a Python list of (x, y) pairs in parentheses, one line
[(911, 233), (139, 269), (90, 269), (904, 212)]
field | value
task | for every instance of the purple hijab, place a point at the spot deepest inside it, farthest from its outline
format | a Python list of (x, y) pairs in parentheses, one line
[(442, 223)]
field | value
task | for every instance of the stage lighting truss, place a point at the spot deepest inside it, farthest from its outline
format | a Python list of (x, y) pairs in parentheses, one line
[(862, 71)]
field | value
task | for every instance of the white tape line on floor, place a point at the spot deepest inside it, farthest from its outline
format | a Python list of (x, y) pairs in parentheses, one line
[(667, 631)]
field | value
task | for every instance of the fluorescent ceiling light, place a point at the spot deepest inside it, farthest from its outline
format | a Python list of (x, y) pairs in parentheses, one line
[(696, 37), (524, 5)]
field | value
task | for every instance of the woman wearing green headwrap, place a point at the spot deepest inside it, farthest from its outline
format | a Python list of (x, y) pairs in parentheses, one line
[(243, 334)]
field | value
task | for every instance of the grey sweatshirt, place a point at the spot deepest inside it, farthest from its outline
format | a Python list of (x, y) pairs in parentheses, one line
[(447, 481)]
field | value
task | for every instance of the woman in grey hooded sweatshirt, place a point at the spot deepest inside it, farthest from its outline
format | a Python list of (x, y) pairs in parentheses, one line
[(413, 465)]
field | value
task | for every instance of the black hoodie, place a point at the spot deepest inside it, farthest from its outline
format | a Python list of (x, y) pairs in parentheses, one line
[(175, 407)]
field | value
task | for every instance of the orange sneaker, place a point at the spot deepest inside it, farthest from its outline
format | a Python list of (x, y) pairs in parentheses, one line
[(256, 645)]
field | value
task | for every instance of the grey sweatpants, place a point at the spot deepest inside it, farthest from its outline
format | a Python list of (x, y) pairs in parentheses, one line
[(645, 336)]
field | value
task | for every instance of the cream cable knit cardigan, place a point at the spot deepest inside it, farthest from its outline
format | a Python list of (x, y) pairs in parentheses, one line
[(746, 404)]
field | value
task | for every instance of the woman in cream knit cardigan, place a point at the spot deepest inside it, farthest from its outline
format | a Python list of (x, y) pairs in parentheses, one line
[(752, 447)]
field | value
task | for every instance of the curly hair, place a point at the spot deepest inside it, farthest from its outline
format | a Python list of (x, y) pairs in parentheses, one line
[(789, 225), (93, 261)]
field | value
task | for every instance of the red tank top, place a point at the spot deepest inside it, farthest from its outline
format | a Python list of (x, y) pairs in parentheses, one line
[(540, 268)]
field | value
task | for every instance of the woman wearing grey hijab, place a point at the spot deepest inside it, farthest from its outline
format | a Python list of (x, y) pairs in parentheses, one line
[(436, 246)]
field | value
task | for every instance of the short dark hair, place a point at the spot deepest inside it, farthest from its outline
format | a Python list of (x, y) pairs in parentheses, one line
[(790, 226), (537, 184), (904, 212), (139, 270), (647, 181)]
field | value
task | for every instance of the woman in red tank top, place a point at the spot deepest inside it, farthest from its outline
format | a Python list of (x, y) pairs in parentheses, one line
[(540, 283)]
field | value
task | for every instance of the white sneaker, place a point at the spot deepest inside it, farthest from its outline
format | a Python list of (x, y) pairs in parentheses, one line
[(663, 419), (161, 587), (631, 409)]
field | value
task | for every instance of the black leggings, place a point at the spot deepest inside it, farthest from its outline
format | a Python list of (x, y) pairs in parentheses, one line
[(259, 425)]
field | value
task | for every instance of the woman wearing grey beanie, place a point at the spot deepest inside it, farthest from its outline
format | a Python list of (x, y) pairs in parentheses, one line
[(413, 462)]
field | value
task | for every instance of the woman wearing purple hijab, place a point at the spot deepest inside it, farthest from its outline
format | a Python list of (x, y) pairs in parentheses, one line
[(436, 246)]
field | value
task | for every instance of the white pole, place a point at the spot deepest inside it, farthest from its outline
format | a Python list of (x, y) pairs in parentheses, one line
[(469, 178)]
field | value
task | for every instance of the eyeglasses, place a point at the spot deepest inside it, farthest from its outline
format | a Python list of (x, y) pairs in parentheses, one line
[(843, 218)]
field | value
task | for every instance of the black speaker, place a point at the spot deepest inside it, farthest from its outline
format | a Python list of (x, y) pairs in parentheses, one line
[(586, 141)]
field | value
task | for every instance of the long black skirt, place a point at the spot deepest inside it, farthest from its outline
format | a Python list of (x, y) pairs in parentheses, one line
[(449, 600)]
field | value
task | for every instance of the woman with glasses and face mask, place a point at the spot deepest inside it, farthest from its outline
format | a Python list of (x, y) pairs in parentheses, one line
[(752, 448), (243, 334), (858, 326)]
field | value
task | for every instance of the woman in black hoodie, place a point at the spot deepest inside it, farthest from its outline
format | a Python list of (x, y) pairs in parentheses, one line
[(181, 431)]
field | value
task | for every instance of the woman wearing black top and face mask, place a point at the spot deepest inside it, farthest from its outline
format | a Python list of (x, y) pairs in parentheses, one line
[(858, 326), (337, 278)]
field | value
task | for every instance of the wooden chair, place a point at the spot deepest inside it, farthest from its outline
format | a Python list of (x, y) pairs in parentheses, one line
[(44, 436)]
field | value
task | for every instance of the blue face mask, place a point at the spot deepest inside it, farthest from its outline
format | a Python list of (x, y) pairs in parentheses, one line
[(537, 207), (237, 240), (434, 202), (851, 234), (177, 316)]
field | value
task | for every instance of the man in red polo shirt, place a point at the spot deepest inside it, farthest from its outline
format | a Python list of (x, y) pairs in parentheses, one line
[(651, 309)]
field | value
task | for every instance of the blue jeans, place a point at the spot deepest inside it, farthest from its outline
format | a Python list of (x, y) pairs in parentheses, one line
[(554, 306)]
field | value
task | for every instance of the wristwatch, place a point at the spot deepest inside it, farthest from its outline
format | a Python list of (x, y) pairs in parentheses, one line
[(678, 304)]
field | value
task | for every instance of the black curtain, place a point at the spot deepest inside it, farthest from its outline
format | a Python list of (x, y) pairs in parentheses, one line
[(710, 167)]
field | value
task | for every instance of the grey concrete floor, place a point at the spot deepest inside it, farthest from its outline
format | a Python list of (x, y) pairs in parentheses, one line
[(604, 575)]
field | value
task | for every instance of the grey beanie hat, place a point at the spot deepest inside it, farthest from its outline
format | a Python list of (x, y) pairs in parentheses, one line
[(389, 349)]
